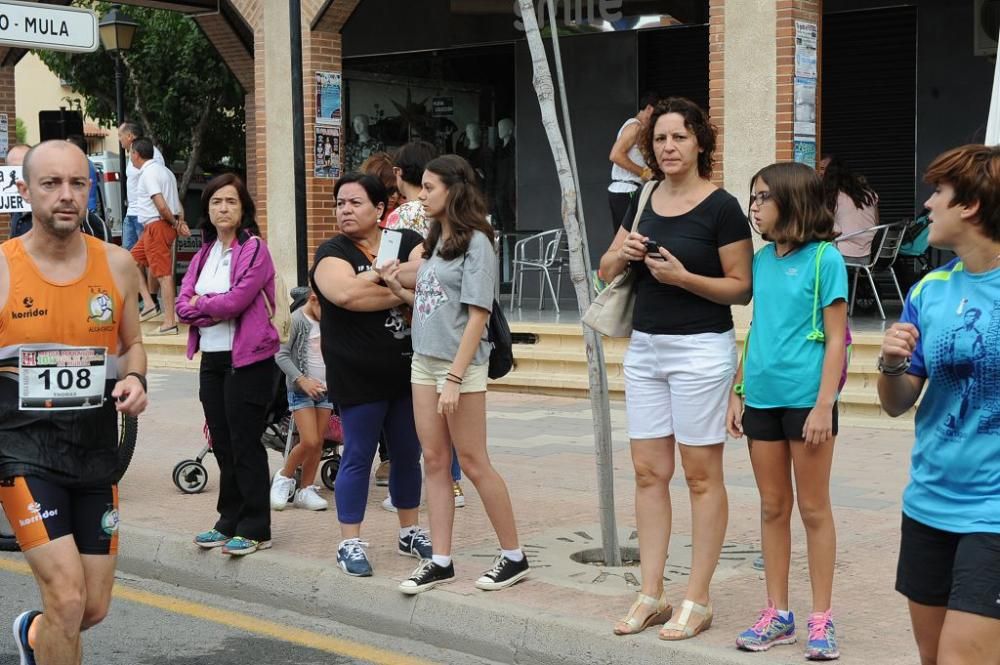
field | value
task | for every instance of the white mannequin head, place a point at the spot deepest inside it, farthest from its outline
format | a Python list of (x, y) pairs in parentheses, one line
[(505, 130), (474, 135), (360, 125)]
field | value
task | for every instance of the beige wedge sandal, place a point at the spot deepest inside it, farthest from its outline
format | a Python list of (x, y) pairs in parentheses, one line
[(631, 625), (680, 626)]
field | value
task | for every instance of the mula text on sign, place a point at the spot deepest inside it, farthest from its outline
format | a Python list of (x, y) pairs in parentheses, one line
[(36, 26)]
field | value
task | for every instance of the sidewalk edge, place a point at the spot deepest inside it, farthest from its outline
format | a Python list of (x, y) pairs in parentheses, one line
[(499, 632)]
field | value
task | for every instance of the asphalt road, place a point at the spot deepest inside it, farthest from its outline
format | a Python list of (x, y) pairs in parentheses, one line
[(157, 624)]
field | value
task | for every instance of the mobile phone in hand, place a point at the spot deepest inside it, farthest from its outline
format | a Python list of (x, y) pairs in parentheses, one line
[(388, 248), (653, 249)]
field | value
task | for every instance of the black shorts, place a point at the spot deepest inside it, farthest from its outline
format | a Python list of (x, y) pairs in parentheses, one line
[(39, 511), (780, 424), (960, 571)]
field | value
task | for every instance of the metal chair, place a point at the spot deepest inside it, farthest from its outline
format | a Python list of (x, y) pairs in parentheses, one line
[(885, 249), (538, 253)]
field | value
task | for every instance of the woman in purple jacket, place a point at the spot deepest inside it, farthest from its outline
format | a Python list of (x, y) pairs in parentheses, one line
[(222, 300)]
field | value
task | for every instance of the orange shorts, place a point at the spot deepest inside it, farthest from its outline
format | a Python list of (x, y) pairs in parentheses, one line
[(153, 248), (40, 511)]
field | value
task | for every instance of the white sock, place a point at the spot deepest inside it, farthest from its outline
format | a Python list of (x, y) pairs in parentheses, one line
[(441, 560), (514, 555), (784, 614), (405, 531)]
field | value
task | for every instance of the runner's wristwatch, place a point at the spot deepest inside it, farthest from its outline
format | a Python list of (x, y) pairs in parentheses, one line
[(142, 380), (893, 370)]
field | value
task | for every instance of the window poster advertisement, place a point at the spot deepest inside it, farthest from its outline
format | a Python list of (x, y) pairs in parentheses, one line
[(328, 105), (327, 152)]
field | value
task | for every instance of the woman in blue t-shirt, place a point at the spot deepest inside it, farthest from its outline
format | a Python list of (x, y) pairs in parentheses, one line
[(792, 367), (948, 340)]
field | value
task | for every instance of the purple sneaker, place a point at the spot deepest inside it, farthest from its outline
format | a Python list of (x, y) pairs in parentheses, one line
[(822, 637), (769, 630)]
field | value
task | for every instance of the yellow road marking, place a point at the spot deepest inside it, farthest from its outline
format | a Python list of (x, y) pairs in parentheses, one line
[(249, 624)]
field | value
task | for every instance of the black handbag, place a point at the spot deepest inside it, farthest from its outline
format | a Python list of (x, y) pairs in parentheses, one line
[(501, 342)]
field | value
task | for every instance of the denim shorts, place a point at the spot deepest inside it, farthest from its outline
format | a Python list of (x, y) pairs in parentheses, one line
[(297, 400)]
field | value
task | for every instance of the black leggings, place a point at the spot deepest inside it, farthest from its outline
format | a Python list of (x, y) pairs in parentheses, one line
[(235, 403)]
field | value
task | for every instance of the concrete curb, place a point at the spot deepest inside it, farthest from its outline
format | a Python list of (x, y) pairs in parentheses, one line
[(485, 627)]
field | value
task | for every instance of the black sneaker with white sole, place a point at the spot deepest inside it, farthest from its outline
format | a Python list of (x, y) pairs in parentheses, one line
[(427, 576), (503, 574)]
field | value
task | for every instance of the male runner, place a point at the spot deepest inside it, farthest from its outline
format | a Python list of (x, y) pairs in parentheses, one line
[(71, 358)]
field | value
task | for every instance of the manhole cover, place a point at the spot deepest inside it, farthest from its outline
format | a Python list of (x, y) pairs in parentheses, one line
[(572, 558)]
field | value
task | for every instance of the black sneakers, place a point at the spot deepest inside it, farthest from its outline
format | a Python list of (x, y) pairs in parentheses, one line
[(416, 544), (503, 574), (427, 576)]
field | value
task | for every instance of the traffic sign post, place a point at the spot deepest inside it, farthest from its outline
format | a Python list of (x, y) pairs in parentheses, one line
[(36, 26)]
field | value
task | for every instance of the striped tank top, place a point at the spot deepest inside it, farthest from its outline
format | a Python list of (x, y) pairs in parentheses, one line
[(70, 446)]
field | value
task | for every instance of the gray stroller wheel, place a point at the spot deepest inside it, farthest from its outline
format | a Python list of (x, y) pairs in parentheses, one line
[(190, 476), (328, 472)]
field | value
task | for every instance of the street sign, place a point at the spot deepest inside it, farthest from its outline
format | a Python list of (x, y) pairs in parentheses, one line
[(32, 25)]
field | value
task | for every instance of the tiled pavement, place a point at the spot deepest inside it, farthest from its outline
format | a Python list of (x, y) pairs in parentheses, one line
[(543, 447)]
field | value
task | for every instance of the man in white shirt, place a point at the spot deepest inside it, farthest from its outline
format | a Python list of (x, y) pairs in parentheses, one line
[(158, 207), (131, 228)]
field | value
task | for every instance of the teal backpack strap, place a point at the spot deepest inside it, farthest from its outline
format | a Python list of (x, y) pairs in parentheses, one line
[(739, 388), (816, 335)]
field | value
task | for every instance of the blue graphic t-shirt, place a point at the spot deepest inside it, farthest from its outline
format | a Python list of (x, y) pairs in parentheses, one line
[(955, 468), (782, 366)]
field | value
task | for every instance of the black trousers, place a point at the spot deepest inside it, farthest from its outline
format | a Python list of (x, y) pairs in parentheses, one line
[(235, 403), (619, 201)]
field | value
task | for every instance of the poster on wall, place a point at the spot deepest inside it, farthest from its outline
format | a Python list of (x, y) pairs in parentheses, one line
[(329, 110), (805, 49), (4, 136), (10, 197), (804, 142), (327, 152), (805, 106), (804, 150)]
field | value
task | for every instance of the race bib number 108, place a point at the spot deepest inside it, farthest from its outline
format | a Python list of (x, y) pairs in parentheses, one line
[(62, 378)]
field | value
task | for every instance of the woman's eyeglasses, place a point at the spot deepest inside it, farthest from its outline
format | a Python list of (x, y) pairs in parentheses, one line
[(759, 198)]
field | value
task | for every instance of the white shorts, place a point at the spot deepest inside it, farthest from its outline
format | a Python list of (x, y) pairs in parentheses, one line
[(679, 385)]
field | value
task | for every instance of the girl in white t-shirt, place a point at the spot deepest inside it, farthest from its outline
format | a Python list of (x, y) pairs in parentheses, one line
[(301, 359)]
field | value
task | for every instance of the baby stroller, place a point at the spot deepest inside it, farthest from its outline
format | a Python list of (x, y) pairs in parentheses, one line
[(190, 475)]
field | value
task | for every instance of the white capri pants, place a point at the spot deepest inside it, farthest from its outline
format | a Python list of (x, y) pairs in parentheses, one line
[(679, 385)]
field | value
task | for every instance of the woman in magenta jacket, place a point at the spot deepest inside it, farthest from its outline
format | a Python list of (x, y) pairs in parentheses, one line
[(222, 300)]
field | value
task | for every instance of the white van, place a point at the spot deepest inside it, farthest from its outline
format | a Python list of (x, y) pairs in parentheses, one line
[(110, 190)]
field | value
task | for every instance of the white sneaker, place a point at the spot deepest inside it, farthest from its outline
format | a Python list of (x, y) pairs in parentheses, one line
[(309, 498), (387, 504), (281, 491)]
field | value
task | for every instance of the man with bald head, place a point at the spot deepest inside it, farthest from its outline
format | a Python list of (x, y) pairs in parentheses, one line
[(15, 155), (71, 360)]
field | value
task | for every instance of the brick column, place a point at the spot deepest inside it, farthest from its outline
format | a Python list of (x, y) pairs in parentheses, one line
[(7, 106), (322, 52), (790, 11), (716, 80)]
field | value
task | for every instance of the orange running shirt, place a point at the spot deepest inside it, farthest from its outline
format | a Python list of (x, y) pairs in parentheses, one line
[(68, 447), (85, 312)]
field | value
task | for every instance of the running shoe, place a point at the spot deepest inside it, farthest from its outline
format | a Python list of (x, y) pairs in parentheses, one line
[(21, 625), (427, 576), (503, 574), (769, 631), (822, 637), (309, 499), (387, 504), (211, 538), (456, 489), (382, 474), (596, 282), (282, 489), (352, 557), (240, 546), (416, 544)]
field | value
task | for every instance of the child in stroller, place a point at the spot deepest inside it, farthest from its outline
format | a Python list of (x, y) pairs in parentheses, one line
[(282, 435)]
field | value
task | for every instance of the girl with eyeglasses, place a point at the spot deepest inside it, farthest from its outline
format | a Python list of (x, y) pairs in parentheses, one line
[(790, 376)]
